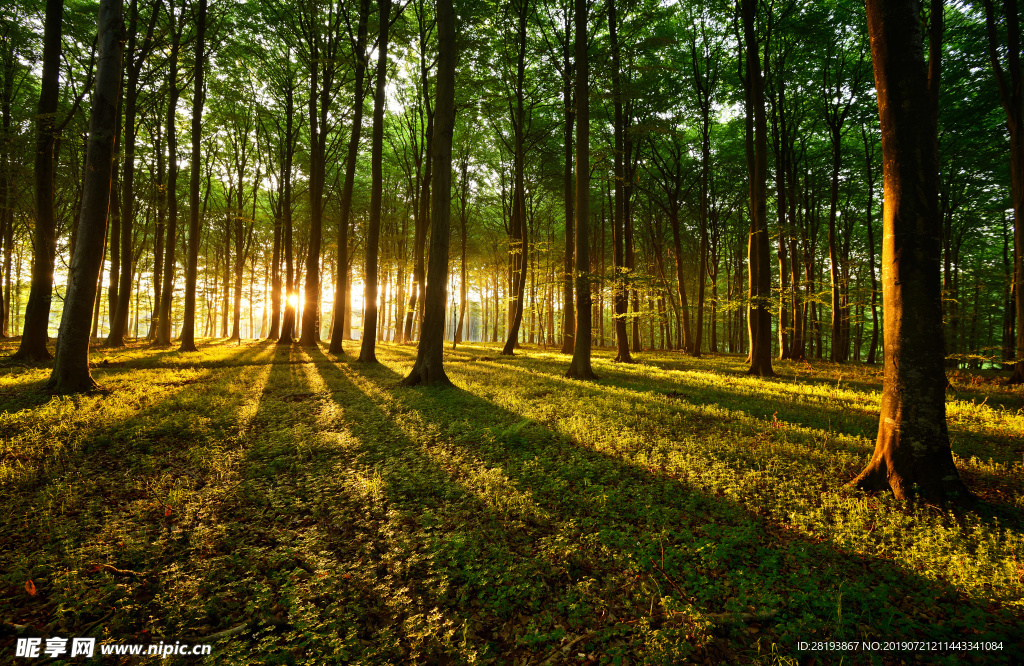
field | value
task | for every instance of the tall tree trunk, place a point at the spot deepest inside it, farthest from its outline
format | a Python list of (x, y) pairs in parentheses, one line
[(758, 250), (429, 367), (341, 304), (137, 55), (44, 241), (1011, 91), (619, 222), (579, 367), (912, 454), (163, 328), (188, 326), (568, 311), (288, 322), (71, 369), (367, 350), (519, 241)]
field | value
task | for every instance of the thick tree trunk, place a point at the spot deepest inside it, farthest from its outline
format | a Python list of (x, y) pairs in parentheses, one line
[(429, 367), (367, 350), (912, 454), (71, 369), (579, 367), (44, 241)]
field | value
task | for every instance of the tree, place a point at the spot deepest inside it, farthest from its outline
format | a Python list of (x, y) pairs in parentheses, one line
[(163, 324), (579, 367), (1010, 80), (341, 285), (912, 454), (188, 327), (37, 312), (367, 349), (429, 367), (71, 369), (620, 223), (758, 252), (137, 54)]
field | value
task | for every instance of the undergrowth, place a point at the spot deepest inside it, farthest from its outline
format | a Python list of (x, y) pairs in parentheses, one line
[(677, 511)]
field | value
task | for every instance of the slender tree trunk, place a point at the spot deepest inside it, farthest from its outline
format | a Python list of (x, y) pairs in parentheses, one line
[(341, 305), (619, 223), (579, 367), (568, 311), (519, 245), (367, 351), (44, 241), (163, 328), (188, 326), (760, 266), (1011, 90), (71, 369)]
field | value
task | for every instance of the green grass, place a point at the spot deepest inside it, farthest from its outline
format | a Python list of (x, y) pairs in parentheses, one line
[(677, 511)]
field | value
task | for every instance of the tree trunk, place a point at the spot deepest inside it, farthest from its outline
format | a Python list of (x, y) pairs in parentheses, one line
[(758, 249), (568, 311), (519, 242), (429, 367), (912, 454), (163, 326), (44, 241), (188, 325), (367, 351), (1012, 94), (341, 305), (579, 367), (619, 223), (71, 369)]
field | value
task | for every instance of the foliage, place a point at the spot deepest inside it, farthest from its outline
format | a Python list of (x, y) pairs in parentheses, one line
[(679, 511)]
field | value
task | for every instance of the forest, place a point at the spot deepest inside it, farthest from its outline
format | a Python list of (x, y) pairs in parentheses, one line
[(523, 332)]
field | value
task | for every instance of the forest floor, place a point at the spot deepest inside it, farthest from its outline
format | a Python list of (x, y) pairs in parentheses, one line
[(292, 507)]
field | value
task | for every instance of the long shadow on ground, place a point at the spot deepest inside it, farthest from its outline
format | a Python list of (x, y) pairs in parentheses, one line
[(612, 527)]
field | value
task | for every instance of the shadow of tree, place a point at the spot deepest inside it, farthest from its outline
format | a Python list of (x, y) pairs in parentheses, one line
[(710, 556)]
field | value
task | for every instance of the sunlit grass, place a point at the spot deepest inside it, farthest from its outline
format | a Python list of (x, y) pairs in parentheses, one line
[(677, 510)]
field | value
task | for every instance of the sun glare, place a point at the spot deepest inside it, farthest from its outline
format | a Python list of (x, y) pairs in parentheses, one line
[(293, 300)]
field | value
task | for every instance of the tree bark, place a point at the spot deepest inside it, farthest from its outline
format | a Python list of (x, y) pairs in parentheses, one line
[(367, 350), (912, 454), (163, 325), (568, 311), (519, 251), (429, 367), (619, 223), (44, 241), (758, 249), (579, 367), (71, 369), (341, 304), (1011, 91), (188, 326)]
